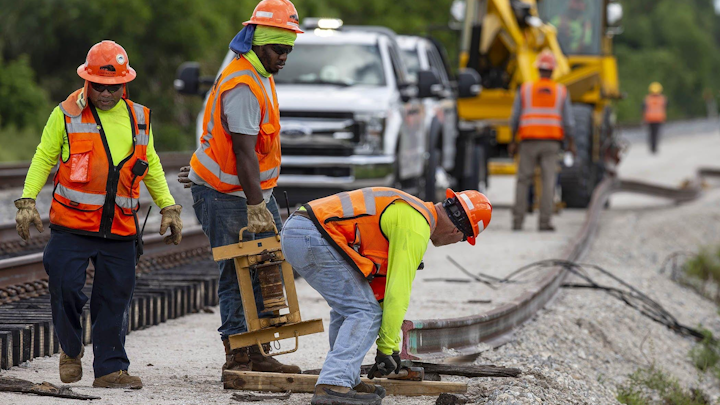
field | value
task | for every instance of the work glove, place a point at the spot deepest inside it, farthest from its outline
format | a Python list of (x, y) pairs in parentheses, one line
[(385, 364), (260, 219), (183, 177), (27, 214), (171, 218), (512, 149)]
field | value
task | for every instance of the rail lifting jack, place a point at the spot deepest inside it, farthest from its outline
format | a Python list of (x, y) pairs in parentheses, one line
[(265, 257)]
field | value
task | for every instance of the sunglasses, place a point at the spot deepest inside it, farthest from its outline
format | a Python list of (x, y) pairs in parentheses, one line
[(281, 50), (112, 88)]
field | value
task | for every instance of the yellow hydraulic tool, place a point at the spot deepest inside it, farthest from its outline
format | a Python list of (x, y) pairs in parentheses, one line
[(266, 257)]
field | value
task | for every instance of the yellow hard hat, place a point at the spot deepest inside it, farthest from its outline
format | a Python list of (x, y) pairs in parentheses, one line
[(656, 88)]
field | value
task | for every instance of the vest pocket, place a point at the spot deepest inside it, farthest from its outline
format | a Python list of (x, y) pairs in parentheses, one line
[(81, 152), (265, 138)]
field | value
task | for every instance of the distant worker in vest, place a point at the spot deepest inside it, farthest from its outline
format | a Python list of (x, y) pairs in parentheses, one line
[(103, 143), (360, 250), (237, 165), (654, 114), (541, 122)]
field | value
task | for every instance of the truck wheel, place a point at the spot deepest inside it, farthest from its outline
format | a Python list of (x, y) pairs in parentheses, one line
[(430, 192), (578, 182), (476, 178)]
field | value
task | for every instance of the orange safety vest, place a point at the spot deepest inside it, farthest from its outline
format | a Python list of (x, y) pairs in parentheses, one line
[(542, 109), (91, 196), (350, 221), (214, 161), (655, 108)]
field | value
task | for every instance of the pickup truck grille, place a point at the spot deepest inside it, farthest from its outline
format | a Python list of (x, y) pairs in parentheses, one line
[(317, 171), (311, 133)]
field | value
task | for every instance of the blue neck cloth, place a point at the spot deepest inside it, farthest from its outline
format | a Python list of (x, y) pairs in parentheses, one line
[(242, 43)]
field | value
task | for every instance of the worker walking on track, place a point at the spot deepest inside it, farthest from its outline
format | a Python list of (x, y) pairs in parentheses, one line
[(541, 120), (654, 114), (104, 143), (237, 165), (360, 250)]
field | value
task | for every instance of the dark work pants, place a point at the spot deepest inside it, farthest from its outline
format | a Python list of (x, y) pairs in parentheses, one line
[(654, 132), (66, 260)]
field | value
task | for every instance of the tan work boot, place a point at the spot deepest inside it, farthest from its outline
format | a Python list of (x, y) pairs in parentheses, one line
[(71, 367), (336, 395), (235, 359), (269, 364), (370, 389), (118, 379)]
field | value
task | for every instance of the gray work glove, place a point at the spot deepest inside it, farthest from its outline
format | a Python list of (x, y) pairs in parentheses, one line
[(171, 218), (385, 364), (27, 214), (260, 219), (183, 177)]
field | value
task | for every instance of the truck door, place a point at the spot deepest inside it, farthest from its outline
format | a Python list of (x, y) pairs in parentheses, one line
[(447, 109)]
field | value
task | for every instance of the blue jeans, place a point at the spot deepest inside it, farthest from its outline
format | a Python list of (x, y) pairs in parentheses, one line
[(66, 260), (355, 314), (222, 216)]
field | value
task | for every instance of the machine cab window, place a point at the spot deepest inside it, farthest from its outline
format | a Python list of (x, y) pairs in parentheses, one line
[(578, 24)]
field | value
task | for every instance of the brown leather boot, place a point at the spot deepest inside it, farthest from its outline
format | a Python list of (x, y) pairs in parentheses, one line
[(370, 389), (71, 367), (268, 363), (118, 379), (236, 359)]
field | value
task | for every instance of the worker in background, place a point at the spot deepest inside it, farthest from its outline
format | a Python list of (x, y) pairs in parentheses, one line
[(541, 120), (654, 114), (237, 165), (103, 145), (360, 250)]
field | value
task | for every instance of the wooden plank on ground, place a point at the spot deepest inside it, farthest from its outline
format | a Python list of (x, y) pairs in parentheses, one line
[(278, 382)]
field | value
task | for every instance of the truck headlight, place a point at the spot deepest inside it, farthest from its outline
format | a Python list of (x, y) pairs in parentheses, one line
[(373, 128)]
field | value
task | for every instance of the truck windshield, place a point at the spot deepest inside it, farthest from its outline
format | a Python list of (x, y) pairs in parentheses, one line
[(340, 65), (578, 24), (412, 63)]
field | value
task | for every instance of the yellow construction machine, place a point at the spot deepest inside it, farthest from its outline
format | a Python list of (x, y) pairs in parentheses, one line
[(501, 39)]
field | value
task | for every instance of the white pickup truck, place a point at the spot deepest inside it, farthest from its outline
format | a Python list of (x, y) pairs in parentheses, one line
[(350, 117)]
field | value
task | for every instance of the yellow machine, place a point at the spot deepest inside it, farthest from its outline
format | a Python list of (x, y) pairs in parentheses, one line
[(500, 40)]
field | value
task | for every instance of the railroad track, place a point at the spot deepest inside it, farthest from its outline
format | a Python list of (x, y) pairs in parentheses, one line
[(13, 174), (434, 339)]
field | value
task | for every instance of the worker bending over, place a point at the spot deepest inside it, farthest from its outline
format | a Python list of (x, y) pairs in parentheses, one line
[(654, 114), (360, 250), (541, 119), (237, 165), (103, 143)]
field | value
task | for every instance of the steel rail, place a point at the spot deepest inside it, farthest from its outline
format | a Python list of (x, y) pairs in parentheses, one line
[(13, 174), (430, 339)]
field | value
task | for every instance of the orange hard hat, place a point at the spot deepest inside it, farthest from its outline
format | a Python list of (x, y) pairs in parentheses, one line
[(276, 13), (546, 60), (107, 63), (470, 211)]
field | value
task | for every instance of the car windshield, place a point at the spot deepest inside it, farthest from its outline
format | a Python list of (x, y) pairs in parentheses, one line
[(341, 65), (577, 23), (412, 62)]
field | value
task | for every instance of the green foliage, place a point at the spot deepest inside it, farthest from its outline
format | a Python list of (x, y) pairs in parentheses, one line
[(706, 354), (704, 266), (22, 102), (22, 141), (650, 386), (678, 46)]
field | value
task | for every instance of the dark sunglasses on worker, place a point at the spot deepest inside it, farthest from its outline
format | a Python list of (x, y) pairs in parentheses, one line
[(112, 88), (281, 50)]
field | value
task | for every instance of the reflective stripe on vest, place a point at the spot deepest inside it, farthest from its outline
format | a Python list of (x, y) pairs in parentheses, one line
[(214, 160), (541, 116), (82, 194), (350, 221), (655, 108)]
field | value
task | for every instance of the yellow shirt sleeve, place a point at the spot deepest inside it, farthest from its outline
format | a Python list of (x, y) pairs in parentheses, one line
[(155, 179), (409, 234), (46, 155)]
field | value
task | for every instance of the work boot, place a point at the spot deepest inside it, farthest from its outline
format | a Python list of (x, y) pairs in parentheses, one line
[(118, 379), (236, 359), (71, 367), (268, 363), (370, 389), (335, 395), (546, 228)]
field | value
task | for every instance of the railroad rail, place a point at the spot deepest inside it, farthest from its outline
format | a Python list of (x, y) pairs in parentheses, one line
[(13, 174), (435, 339)]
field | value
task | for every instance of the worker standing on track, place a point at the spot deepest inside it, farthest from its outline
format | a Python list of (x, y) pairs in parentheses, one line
[(360, 250), (654, 114), (104, 143), (541, 119), (237, 164)]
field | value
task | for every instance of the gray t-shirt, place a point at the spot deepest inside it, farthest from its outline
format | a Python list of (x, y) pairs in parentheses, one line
[(240, 115)]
